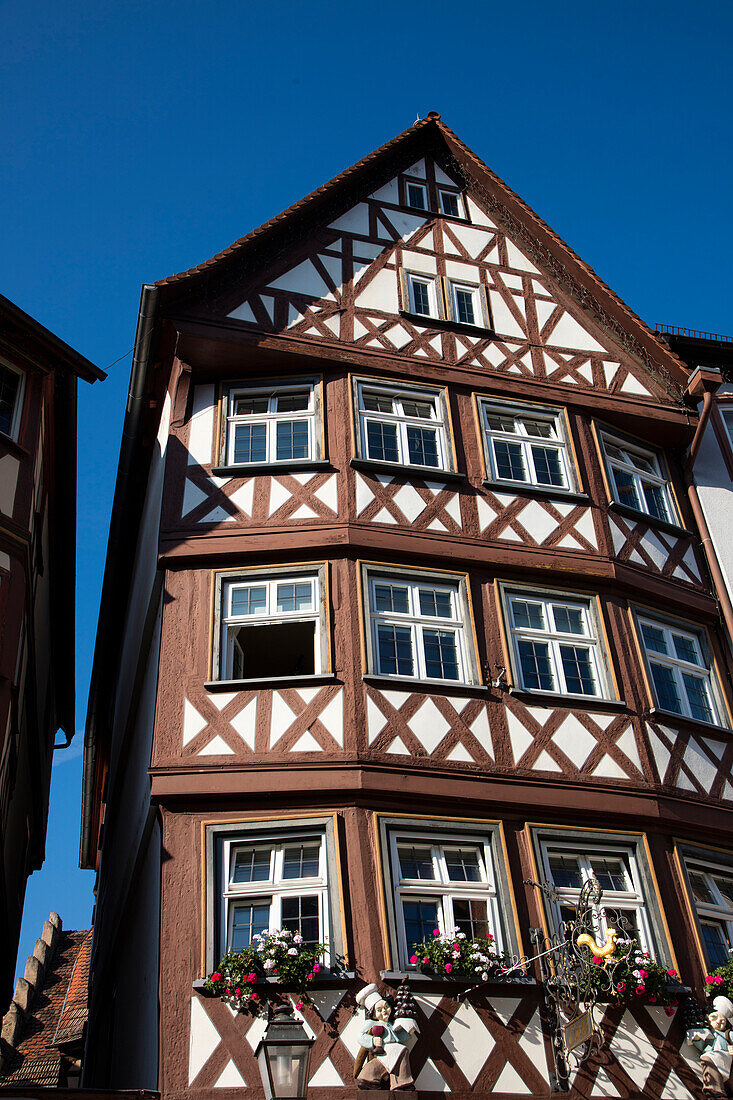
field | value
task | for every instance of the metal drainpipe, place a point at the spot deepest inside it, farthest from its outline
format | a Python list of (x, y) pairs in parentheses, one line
[(721, 589)]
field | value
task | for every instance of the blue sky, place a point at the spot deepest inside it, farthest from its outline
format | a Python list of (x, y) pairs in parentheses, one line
[(140, 138)]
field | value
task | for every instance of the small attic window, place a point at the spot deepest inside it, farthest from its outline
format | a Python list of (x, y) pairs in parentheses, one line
[(449, 202), (417, 195)]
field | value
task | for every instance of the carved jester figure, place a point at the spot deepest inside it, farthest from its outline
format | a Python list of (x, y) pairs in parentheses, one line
[(383, 1060), (714, 1042)]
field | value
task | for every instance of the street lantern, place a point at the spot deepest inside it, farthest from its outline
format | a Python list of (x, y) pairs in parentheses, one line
[(284, 1054)]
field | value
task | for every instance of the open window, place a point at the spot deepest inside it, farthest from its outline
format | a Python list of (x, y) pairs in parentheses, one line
[(638, 478), (271, 625)]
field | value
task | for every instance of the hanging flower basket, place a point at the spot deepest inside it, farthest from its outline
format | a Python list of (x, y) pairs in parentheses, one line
[(280, 954), (458, 957), (631, 976), (720, 981)]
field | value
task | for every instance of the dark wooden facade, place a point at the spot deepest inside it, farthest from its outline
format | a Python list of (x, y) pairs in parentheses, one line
[(322, 294), (38, 378)]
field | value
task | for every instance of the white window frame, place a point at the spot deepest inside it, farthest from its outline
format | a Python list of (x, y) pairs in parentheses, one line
[(14, 428), (275, 888), (632, 899), (478, 302), (417, 624), (442, 889), (454, 194), (705, 671), (719, 912), (272, 418), (402, 422), (423, 187), (414, 278), (554, 638), (520, 414), (658, 478), (256, 579)]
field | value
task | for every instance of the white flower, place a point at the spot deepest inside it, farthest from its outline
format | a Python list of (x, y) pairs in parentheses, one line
[(456, 954), (292, 951), (636, 973), (269, 964), (477, 969), (485, 976), (297, 938)]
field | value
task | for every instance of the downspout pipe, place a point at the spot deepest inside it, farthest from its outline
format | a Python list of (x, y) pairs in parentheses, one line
[(706, 382)]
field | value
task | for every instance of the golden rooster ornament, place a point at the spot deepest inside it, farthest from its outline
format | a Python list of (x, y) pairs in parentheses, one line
[(605, 951)]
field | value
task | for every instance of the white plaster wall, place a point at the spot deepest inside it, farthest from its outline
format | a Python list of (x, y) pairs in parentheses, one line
[(716, 497)]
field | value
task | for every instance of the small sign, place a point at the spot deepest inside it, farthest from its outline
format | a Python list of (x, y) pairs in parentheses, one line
[(578, 1031)]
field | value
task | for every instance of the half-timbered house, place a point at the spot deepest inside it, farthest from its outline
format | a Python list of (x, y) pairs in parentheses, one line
[(404, 607), (38, 396)]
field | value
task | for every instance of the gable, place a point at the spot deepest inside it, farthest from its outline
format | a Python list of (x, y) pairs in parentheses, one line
[(347, 284)]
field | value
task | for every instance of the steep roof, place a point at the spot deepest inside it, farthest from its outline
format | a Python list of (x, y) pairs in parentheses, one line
[(56, 1016), (546, 246)]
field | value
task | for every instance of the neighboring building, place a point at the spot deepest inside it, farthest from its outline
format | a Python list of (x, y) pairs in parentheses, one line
[(404, 606), (709, 470), (43, 1031), (38, 384)]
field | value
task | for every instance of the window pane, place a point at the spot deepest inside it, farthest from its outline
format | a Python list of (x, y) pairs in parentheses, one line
[(536, 668), (394, 644), (252, 865), (541, 429), (250, 443), (625, 921), (668, 696), (725, 885), (531, 615), (611, 873), (382, 441), (696, 689), (685, 649), (547, 466), (422, 410), (436, 604), (422, 446), (568, 620), (301, 915), (250, 406), (654, 638), (9, 382), (715, 943), (700, 889), (421, 917), (416, 862), (441, 655), (295, 596), (580, 676), (565, 871), (509, 461), (449, 203), (421, 298), (291, 440), (416, 196), (626, 489), (656, 500), (248, 601), (248, 920), (301, 861), (463, 864), (377, 402), (391, 597), (293, 402), (464, 306), (471, 917), (499, 423)]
